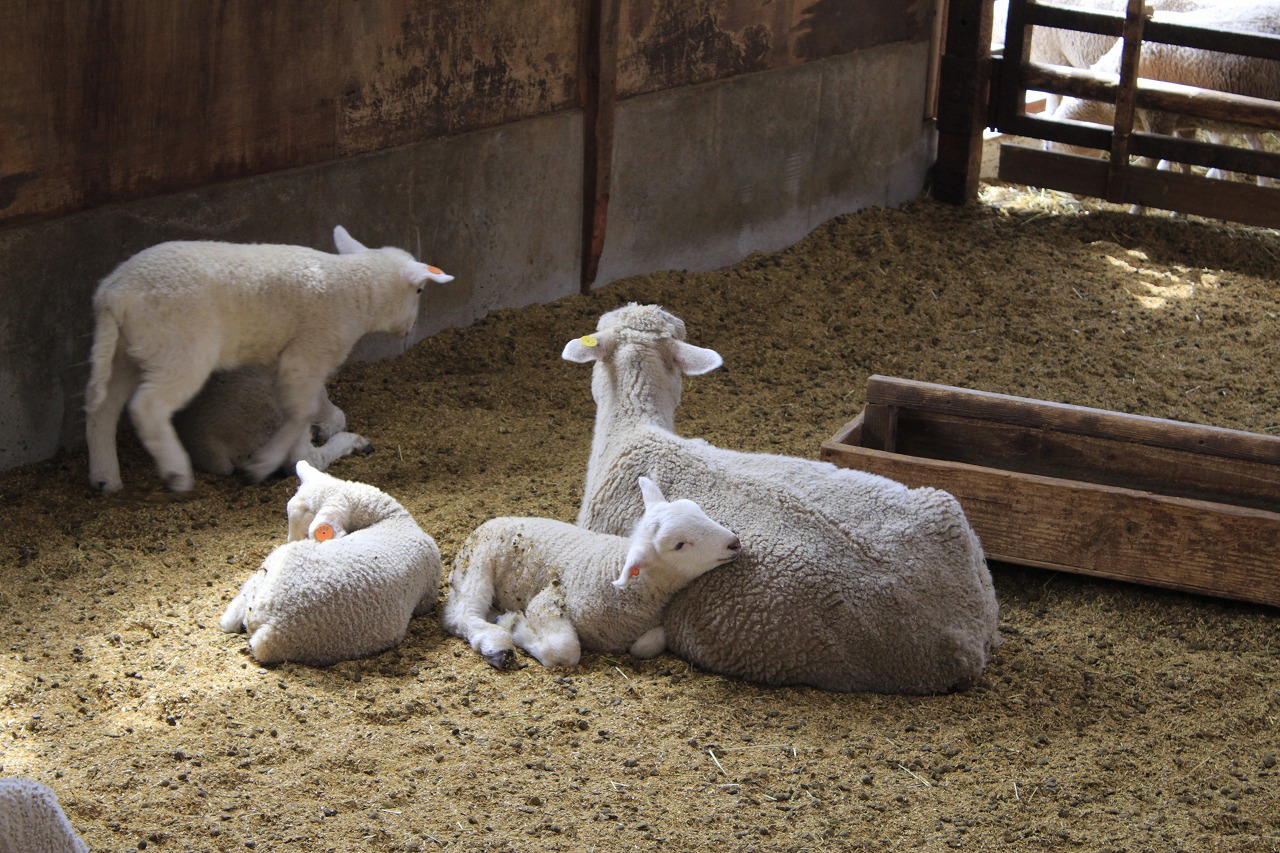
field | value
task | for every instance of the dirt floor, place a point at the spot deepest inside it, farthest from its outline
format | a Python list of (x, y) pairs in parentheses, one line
[(1111, 718)]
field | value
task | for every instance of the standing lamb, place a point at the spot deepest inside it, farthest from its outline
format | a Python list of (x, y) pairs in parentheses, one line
[(356, 568), (238, 410), (848, 581), (174, 313), (32, 821), (560, 587)]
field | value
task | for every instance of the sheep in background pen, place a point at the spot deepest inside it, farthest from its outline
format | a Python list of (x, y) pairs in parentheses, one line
[(172, 314), (560, 588), (237, 411), (356, 568), (1223, 72), (848, 581), (32, 821)]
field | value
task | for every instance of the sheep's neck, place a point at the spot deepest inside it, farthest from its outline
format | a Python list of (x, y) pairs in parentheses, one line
[(626, 400)]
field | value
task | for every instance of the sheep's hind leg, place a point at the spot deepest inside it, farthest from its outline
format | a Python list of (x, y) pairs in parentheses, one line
[(339, 444), (102, 419), (159, 395), (543, 632)]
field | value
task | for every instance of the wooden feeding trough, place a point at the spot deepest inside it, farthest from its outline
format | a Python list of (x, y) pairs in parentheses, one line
[(1131, 498)]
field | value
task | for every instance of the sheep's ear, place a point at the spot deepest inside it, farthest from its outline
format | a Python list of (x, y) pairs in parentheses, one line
[(329, 523), (305, 470), (695, 361), (652, 494), (586, 349), (419, 273), (637, 561), (346, 244)]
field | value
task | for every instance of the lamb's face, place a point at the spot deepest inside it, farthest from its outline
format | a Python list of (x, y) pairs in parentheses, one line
[(405, 294), (689, 541)]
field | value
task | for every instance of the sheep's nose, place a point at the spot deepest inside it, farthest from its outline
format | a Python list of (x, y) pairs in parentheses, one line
[(735, 545)]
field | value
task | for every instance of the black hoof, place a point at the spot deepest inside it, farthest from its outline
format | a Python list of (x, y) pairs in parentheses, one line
[(366, 450), (505, 659)]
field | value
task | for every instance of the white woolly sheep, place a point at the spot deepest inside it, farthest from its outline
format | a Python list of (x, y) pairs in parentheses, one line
[(1073, 48), (172, 314), (848, 581), (356, 568), (237, 411), (32, 821), (1239, 75), (560, 588)]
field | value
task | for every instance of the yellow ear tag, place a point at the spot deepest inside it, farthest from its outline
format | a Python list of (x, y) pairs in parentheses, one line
[(324, 533), (588, 341)]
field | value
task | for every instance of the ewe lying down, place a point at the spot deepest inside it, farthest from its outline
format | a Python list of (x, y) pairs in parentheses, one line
[(173, 314), (848, 581), (356, 568), (559, 587)]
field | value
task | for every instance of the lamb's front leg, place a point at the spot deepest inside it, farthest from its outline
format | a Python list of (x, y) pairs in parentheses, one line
[(650, 644), (298, 384), (327, 420)]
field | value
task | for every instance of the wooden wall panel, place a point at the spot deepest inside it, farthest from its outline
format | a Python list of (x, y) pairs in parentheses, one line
[(121, 99), (666, 44)]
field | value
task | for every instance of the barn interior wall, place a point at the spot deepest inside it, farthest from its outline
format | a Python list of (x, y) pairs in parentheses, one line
[(761, 112)]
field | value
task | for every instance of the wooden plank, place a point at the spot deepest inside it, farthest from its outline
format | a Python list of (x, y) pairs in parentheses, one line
[(964, 80), (1169, 542), (599, 81), (880, 427), (1122, 126), (1042, 414), (1178, 472), (1229, 200)]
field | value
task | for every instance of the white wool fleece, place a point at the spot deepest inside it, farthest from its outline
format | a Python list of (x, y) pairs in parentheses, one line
[(320, 602), (848, 581), (32, 821)]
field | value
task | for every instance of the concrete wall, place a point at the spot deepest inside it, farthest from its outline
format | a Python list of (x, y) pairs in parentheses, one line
[(454, 128)]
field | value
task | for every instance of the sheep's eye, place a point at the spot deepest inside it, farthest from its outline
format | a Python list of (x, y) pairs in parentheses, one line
[(419, 289), (679, 545)]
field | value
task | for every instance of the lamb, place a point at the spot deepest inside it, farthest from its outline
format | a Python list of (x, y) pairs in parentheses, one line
[(172, 314), (237, 411), (356, 568), (32, 821), (848, 581), (563, 587), (1240, 75)]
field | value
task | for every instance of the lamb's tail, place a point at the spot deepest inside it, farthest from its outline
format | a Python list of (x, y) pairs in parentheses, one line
[(102, 356)]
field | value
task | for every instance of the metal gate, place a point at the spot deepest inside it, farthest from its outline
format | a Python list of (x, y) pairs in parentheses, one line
[(977, 91)]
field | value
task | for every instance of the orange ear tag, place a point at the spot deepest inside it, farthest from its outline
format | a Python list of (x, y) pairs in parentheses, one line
[(434, 270), (324, 533), (588, 341), (635, 571)]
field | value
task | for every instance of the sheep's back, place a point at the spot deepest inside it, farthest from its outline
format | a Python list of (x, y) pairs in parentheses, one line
[(347, 597), (847, 581)]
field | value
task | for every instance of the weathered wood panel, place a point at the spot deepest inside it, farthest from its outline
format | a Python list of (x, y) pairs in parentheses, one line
[(1120, 496), (673, 43), (113, 101)]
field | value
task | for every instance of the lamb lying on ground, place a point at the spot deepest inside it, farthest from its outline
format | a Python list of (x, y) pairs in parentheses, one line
[(237, 411), (31, 821), (848, 581), (173, 314), (356, 568), (563, 587)]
